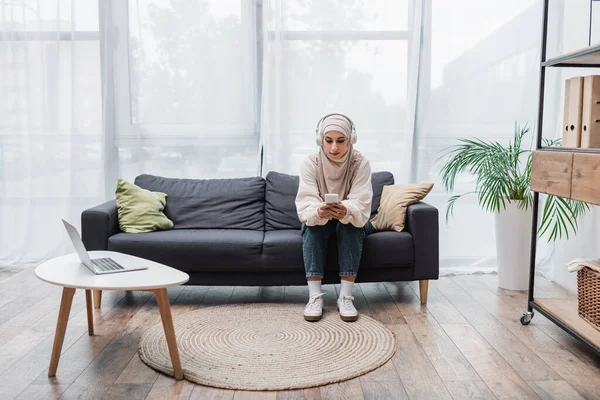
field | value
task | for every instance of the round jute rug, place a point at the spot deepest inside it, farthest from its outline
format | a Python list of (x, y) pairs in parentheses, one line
[(269, 347)]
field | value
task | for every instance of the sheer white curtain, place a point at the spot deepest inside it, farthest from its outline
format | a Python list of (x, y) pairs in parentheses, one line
[(414, 76), (484, 76), (95, 90), (185, 88), (183, 75), (359, 58), (51, 141)]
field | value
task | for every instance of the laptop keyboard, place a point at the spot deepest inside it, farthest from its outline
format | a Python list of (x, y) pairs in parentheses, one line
[(106, 264)]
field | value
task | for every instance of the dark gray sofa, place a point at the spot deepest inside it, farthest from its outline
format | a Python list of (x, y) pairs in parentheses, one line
[(246, 232)]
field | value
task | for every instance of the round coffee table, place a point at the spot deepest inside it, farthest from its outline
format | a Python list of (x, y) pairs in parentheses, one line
[(68, 272)]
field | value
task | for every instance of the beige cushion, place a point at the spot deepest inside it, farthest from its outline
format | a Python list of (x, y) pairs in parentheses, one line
[(140, 210), (395, 199)]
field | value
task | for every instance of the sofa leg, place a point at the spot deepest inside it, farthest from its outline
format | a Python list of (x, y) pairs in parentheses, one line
[(423, 288), (97, 298)]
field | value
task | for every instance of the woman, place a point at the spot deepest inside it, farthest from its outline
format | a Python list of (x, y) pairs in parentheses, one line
[(336, 168)]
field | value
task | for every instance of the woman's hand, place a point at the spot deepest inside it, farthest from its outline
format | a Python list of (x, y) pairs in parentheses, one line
[(338, 210), (335, 210), (325, 211)]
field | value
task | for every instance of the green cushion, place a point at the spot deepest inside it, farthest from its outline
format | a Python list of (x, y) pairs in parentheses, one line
[(140, 210)]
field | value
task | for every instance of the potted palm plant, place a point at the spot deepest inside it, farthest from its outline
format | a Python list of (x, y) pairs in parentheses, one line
[(502, 174)]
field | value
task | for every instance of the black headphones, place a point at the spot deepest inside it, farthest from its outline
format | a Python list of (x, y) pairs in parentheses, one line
[(352, 134)]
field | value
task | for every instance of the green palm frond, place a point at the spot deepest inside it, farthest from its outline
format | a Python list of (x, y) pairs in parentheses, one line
[(551, 142), (523, 183), (502, 175), (451, 201), (560, 216), (494, 190), (476, 156)]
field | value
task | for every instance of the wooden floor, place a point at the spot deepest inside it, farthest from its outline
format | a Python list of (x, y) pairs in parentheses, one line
[(466, 343)]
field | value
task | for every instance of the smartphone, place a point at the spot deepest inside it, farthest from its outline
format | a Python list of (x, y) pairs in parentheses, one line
[(331, 198)]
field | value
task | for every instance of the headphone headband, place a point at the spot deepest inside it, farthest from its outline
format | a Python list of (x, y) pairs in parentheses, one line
[(352, 133)]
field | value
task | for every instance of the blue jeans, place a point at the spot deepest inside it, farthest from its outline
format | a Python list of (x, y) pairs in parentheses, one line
[(349, 242)]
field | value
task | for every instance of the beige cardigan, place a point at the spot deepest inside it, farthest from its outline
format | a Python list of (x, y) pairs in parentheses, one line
[(358, 201)]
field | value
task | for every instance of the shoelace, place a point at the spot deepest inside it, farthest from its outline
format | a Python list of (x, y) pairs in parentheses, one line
[(347, 301), (312, 302)]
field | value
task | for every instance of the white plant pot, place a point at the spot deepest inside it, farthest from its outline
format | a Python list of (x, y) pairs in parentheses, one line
[(513, 245)]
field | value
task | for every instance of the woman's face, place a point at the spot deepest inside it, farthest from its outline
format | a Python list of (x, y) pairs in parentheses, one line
[(335, 144)]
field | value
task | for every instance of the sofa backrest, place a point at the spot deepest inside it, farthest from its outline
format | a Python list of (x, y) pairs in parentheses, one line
[(378, 181), (280, 201), (280, 198), (210, 203)]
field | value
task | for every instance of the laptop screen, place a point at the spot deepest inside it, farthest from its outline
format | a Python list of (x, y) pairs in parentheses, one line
[(78, 244)]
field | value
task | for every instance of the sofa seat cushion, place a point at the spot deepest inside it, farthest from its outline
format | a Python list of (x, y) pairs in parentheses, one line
[(195, 250), (388, 249), (282, 250)]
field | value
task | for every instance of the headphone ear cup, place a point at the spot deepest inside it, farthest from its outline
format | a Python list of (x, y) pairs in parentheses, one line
[(317, 136)]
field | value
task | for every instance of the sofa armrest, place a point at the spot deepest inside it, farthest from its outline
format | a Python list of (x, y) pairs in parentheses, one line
[(423, 224), (98, 224)]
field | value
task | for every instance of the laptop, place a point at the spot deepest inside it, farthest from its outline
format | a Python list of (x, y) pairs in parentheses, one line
[(98, 266)]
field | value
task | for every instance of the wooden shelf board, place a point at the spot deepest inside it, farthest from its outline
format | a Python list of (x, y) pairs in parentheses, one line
[(570, 149), (565, 310), (586, 57)]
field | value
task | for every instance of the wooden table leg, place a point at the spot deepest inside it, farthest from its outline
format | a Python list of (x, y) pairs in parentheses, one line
[(90, 311), (61, 328), (162, 299), (97, 298)]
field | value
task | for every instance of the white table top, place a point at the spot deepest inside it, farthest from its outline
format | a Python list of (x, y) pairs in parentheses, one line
[(68, 271)]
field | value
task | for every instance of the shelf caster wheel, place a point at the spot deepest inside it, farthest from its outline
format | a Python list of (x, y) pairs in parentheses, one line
[(526, 318)]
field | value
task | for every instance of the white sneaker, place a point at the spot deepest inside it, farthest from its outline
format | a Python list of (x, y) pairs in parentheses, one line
[(347, 311), (314, 309)]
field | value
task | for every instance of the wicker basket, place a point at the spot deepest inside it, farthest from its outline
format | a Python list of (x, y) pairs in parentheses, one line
[(588, 296)]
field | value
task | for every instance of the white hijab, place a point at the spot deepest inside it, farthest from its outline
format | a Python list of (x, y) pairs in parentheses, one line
[(335, 176)]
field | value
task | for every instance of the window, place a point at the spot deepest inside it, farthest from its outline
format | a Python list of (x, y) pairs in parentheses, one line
[(350, 57), (187, 79), (185, 87), (50, 101), (51, 138)]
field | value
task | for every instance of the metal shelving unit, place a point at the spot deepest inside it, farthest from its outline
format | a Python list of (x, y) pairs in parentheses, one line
[(563, 312)]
